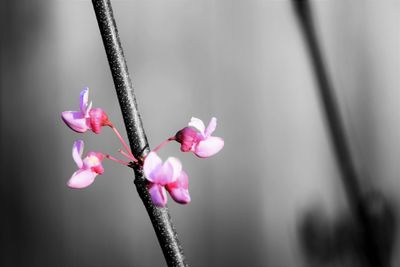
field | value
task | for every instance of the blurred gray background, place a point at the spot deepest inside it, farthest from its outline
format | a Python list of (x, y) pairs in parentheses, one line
[(242, 61)]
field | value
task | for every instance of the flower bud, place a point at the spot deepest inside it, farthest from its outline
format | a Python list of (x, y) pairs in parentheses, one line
[(187, 137), (98, 118)]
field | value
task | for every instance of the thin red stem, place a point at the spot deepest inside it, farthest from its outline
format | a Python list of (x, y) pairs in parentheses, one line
[(126, 155), (123, 143), (163, 144), (117, 160)]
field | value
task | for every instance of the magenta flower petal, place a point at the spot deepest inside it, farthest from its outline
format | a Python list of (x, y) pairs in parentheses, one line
[(187, 137), (83, 100), (98, 118), (179, 189), (75, 120), (167, 173), (77, 150), (151, 163), (180, 195), (176, 167), (99, 169), (197, 124), (209, 147), (158, 195), (81, 179), (92, 159), (211, 127)]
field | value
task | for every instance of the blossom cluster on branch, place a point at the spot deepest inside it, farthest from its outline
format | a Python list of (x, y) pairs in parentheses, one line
[(162, 177)]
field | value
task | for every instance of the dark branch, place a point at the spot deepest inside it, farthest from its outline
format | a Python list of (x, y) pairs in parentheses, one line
[(340, 145), (159, 217)]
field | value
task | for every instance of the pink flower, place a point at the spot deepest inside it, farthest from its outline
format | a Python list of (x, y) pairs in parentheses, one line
[(179, 190), (87, 118), (166, 176), (197, 138), (89, 167)]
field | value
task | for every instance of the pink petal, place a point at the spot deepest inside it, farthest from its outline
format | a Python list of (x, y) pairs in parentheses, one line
[(209, 147), (81, 179), (88, 109), (98, 118), (187, 137), (167, 173), (77, 150), (151, 163), (75, 120), (179, 189), (83, 100), (181, 182), (211, 127), (98, 155), (176, 168), (92, 159), (197, 124), (158, 195), (99, 169), (180, 195)]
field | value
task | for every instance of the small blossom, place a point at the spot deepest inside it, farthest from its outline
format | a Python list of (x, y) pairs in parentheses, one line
[(197, 138), (89, 167), (97, 119), (166, 176), (179, 189), (87, 118)]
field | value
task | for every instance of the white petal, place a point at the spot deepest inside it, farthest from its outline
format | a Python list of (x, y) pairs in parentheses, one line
[(81, 179), (151, 163), (211, 127), (88, 108), (77, 150), (84, 98), (75, 120), (197, 124), (175, 166), (209, 147)]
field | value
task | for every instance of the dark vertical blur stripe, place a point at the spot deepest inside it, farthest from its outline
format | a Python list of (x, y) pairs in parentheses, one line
[(3, 196), (8, 217), (359, 203), (30, 234)]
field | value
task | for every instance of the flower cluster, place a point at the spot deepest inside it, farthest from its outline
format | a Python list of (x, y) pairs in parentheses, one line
[(161, 176)]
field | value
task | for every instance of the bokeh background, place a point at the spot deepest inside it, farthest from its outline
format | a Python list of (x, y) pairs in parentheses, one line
[(242, 61)]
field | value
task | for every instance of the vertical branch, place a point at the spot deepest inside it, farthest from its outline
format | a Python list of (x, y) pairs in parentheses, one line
[(337, 132), (159, 217)]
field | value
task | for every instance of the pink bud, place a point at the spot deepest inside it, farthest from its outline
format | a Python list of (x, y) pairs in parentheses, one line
[(187, 137), (98, 118)]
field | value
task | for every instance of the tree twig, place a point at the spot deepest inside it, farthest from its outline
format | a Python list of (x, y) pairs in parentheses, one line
[(159, 217)]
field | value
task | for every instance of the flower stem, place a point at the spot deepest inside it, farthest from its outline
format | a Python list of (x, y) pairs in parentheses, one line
[(126, 155), (164, 143), (117, 160), (123, 143)]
